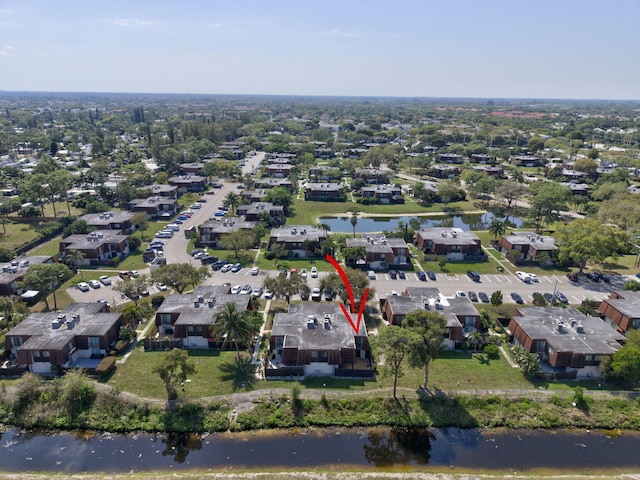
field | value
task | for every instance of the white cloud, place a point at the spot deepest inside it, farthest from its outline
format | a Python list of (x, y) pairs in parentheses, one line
[(7, 50), (131, 22)]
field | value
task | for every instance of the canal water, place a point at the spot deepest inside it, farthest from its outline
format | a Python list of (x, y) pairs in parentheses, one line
[(380, 224), (365, 448)]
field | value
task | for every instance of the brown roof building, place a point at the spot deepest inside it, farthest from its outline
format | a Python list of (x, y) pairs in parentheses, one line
[(622, 310), (456, 244)]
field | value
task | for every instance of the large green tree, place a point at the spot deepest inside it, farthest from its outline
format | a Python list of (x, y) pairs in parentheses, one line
[(584, 240), (174, 368), (285, 288), (180, 276), (45, 278), (430, 326), (238, 241), (357, 279), (395, 343), (233, 326), (548, 199)]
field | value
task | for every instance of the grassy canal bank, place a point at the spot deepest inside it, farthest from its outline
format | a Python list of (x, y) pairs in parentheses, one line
[(77, 404)]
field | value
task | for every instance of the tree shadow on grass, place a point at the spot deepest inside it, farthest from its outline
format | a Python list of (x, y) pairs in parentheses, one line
[(241, 372), (445, 411)]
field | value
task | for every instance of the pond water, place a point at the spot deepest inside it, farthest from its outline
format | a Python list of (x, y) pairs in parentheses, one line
[(366, 448), (379, 224)]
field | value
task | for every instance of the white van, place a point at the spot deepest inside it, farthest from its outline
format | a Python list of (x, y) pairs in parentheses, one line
[(172, 226), (371, 274)]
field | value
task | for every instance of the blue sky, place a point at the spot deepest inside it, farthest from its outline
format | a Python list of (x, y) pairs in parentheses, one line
[(453, 48)]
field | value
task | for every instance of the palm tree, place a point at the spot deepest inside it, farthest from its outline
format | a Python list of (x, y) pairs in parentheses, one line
[(475, 338), (232, 200), (74, 257), (497, 228), (232, 325), (354, 221)]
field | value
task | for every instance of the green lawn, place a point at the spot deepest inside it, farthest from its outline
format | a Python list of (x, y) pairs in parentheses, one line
[(19, 233), (288, 263), (51, 248), (489, 266)]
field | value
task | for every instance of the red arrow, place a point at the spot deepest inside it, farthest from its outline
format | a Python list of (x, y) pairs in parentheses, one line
[(347, 284)]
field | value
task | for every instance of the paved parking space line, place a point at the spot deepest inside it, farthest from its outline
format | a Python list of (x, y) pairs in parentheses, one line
[(386, 276), (578, 300)]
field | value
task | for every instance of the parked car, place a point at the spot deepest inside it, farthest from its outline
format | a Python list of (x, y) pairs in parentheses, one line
[(226, 268), (460, 293), (208, 259), (246, 290), (392, 274), (215, 266), (316, 294), (561, 297), (303, 273), (268, 295), (220, 213), (196, 206), (161, 287), (329, 295), (255, 271), (105, 280), (594, 277), (314, 272), (473, 297), (123, 274), (257, 292), (422, 276), (145, 292), (402, 275), (604, 278), (83, 286), (134, 273), (201, 200), (524, 276), (475, 276), (572, 277), (517, 298), (431, 275), (484, 298), (94, 283), (548, 297), (236, 289), (371, 275), (236, 267), (533, 277)]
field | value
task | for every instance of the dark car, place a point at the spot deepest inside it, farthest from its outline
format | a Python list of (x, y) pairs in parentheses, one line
[(402, 275), (594, 277), (218, 265), (475, 276), (517, 298), (548, 297), (484, 298), (422, 276), (328, 295), (604, 278), (208, 259), (432, 276), (473, 296), (392, 274)]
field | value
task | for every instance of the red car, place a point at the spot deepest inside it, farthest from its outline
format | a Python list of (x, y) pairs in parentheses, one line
[(572, 276), (123, 274)]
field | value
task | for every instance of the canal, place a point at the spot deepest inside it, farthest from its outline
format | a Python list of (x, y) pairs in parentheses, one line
[(401, 448)]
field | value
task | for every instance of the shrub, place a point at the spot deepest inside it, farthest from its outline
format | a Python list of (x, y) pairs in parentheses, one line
[(156, 301), (491, 351), (122, 345), (106, 366)]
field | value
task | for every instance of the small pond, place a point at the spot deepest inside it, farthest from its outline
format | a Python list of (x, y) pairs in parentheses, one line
[(403, 448), (380, 224)]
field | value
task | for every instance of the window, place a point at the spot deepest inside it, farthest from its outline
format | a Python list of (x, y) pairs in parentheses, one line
[(165, 319), (94, 342), (194, 330), (40, 356), (69, 348), (16, 341), (540, 345), (636, 323)]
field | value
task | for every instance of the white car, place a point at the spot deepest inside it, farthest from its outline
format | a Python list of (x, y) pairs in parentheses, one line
[(257, 292), (94, 283), (316, 294), (161, 286), (371, 275), (314, 272), (105, 280), (226, 268), (303, 273), (524, 276), (533, 277), (236, 290), (83, 287), (255, 271), (268, 295), (460, 293), (196, 206)]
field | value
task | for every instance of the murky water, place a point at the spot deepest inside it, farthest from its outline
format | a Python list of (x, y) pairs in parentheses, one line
[(369, 448), (379, 224)]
